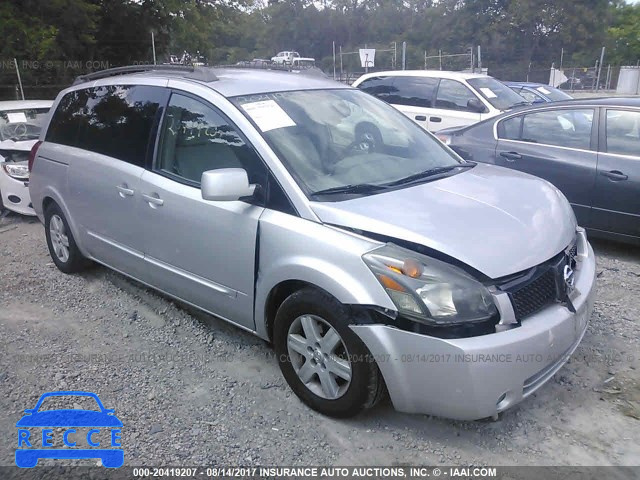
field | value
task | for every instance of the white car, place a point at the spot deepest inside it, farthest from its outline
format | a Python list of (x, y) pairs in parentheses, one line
[(436, 99), (285, 58), (20, 124)]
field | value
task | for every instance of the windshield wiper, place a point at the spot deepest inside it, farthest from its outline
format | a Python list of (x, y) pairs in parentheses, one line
[(352, 188), (520, 104), (428, 173)]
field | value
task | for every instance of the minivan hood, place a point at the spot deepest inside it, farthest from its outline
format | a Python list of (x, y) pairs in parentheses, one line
[(495, 220)]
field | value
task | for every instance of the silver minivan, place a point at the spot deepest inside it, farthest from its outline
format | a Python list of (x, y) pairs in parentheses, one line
[(326, 222)]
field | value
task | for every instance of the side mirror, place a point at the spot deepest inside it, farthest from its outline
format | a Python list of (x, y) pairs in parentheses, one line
[(225, 185), (476, 105)]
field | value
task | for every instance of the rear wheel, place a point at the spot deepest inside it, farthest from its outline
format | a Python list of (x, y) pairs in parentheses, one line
[(324, 362), (62, 245)]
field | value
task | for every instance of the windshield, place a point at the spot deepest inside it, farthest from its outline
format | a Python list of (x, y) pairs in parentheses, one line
[(554, 94), (497, 93), (345, 141), (19, 125)]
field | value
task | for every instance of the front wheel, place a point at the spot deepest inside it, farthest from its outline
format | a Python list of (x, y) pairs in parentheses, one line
[(324, 362)]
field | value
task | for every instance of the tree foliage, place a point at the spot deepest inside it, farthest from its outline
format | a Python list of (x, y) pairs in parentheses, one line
[(514, 34)]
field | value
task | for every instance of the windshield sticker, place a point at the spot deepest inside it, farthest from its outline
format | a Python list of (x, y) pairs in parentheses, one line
[(488, 92), (16, 117), (268, 115), (543, 90)]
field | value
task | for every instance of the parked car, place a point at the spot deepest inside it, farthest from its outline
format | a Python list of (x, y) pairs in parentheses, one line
[(397, 266), (285, 58), (20, 124), (438, 99), (589, 149), (538, 92)]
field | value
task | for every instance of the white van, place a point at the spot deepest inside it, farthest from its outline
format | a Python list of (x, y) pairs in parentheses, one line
[(439, 99)]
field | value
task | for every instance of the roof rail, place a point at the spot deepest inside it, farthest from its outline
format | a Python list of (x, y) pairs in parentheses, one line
[(195, 73), (253, 65)]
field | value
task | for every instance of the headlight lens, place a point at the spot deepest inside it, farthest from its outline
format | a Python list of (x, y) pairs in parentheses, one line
[(18, 171), (429, 290)]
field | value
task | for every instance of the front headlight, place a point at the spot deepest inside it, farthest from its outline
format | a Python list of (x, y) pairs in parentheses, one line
[(18, 171), (429, 290)]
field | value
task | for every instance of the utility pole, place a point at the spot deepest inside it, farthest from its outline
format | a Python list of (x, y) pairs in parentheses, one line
[(153, 47), (479, 59), (440, 55), (561, 57), (341, 69), (600, 69), (404, 55), (19, 79)]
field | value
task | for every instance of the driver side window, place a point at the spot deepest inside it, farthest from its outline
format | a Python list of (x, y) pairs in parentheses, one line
[(196, 138), (453, 95)]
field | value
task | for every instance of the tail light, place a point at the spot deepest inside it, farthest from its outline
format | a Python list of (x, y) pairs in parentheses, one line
[(33, 153)]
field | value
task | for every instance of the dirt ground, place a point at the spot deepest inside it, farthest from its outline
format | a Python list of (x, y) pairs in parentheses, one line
[(192, 390)]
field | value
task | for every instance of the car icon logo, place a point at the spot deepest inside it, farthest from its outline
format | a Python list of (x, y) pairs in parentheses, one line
[(31, 448)]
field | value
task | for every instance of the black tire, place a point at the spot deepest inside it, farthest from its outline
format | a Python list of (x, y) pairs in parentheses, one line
[(366, 385), (75, 262)]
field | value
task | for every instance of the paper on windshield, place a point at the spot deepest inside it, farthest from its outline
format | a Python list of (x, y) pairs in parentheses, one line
[(488, 92), (268, 115), (543, 90), (16, 117)]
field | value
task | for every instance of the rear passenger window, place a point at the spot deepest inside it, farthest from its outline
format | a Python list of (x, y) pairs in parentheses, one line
[(119, 120), (623, 132), (564, 128), (413, 91), (454, 95), (196, 138), (377, 86), (114, 120)]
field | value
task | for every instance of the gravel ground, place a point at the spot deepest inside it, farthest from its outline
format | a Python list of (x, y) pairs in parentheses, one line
[(192, 390)]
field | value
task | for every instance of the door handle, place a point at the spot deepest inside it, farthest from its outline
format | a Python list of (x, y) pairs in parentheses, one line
[(615, 175), (511, 156), (421, 118), (124, 190), (153, 202), (435, 119)]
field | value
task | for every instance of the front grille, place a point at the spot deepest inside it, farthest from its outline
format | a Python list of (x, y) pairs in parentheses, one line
[(534, 296), (536, 288)]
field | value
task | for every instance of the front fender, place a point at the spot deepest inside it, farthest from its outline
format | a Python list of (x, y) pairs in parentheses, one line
[(292, 248)]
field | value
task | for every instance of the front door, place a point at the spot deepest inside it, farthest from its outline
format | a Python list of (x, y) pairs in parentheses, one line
[(616, 205), (200, 251), (451, 107)]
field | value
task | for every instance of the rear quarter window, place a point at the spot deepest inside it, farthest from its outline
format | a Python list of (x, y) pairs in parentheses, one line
[(66, 120)]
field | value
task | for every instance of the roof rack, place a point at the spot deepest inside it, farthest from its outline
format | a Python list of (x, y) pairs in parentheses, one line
[(195, 73)]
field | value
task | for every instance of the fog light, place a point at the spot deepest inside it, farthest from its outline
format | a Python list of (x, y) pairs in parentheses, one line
[(14, 199)]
